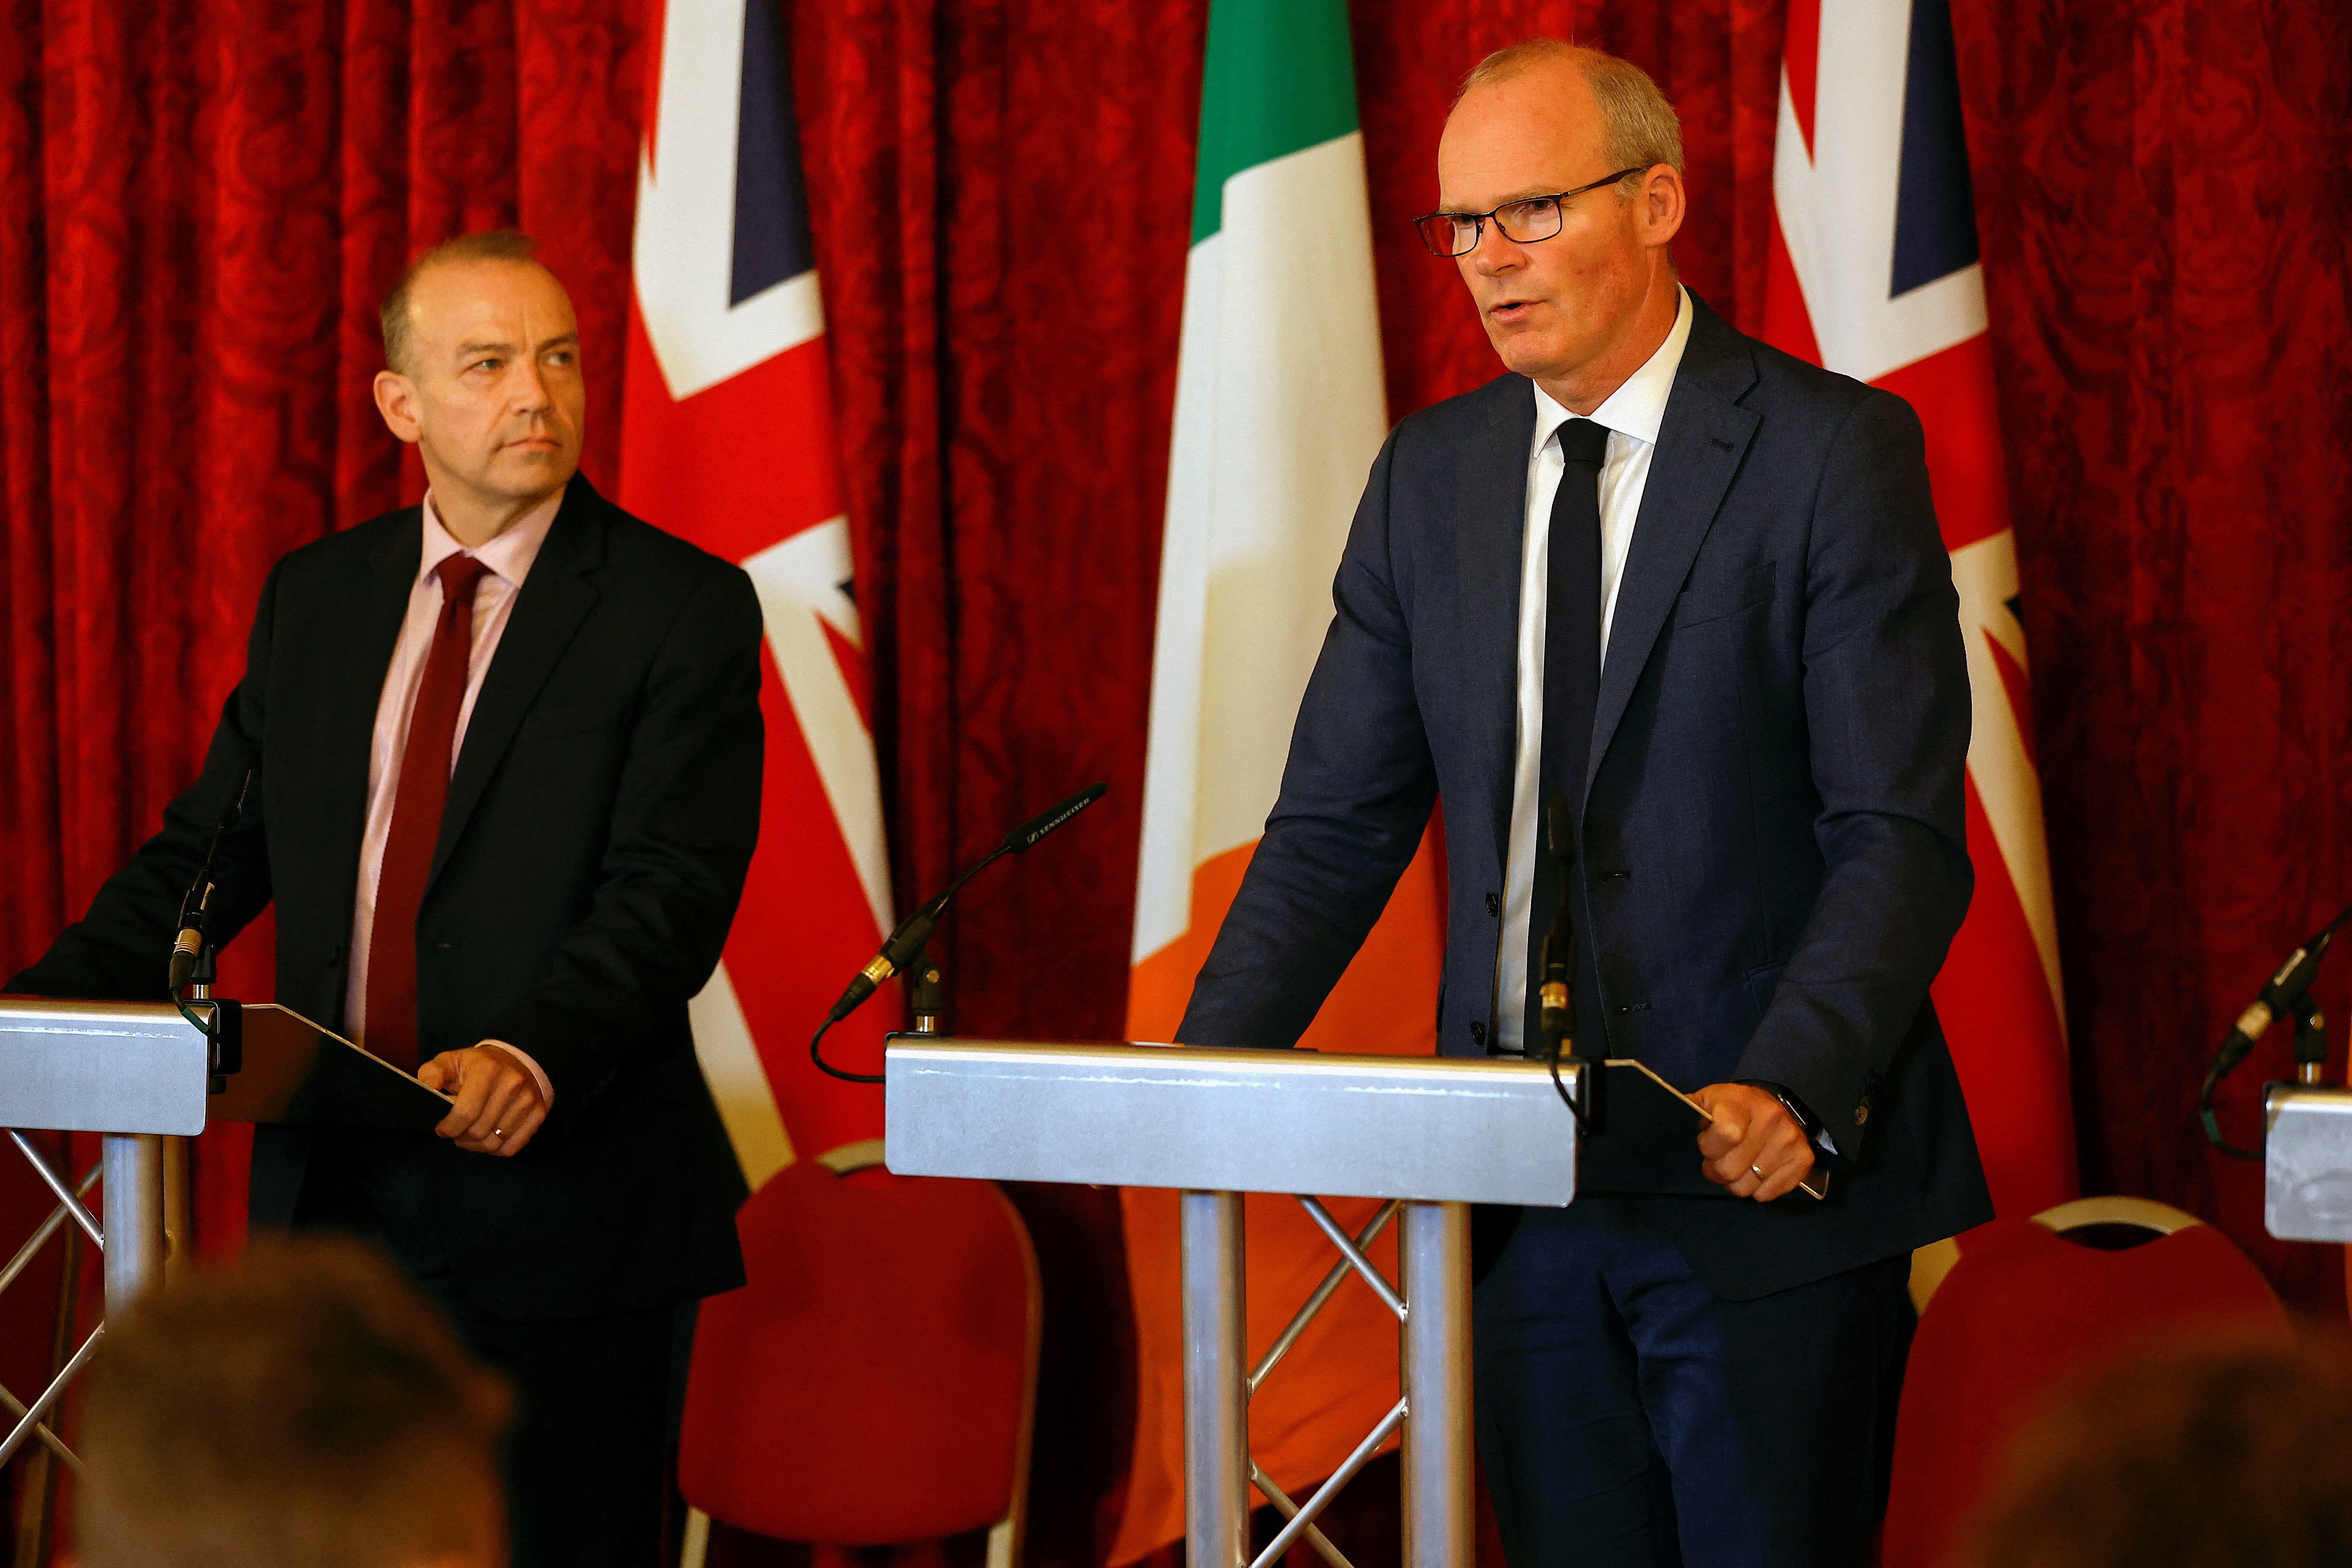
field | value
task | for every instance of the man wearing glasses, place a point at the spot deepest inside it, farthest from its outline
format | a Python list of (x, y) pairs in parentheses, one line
[(1694, 589)]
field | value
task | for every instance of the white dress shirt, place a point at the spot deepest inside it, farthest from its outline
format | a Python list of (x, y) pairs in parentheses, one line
[(1633, 413), (508, 559)]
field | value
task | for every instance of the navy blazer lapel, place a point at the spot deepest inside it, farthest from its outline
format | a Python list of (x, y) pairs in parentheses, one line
[(1489, 542), (554, 599), (1701, 442)]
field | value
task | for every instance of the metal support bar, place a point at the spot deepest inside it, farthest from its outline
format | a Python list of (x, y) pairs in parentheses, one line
[(133, 1197), (1353, 1254), (1434, 1354), (1213, 1122), (72, 1204), (1330, 1490), (1315, 1538), (179, 1208), (40, 1407), (55, 1444), (40, 1238), (1216, 1393), (1306, 1314)]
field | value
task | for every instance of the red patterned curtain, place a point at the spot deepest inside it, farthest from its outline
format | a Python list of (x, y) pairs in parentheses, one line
[(2165, 193), (205, 198)]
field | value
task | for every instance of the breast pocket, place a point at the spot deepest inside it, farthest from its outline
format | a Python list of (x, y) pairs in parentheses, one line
[(1723, 598)]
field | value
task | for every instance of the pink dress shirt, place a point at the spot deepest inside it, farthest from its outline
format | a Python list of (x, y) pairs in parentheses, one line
[(509, 558)]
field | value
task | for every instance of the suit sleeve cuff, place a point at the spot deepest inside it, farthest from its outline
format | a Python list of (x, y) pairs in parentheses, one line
[(538, 1075)]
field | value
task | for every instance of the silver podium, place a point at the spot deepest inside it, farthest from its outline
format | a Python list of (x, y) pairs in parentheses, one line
[(134, 1073), (1432, 1135), (2307, 1161)]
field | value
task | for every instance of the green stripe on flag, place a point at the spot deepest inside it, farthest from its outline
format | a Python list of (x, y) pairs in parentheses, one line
[(1280, 77)]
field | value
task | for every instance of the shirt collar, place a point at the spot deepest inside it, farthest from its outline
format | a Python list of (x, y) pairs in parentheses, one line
[(1638, 407), (508, 556)]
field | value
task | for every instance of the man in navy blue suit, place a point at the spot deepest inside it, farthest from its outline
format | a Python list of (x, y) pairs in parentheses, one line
[(1694, 588)]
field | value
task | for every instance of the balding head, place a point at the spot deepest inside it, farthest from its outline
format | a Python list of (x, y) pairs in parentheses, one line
[(483, 377), (1582, 291), (396, 317), (1639, 129)]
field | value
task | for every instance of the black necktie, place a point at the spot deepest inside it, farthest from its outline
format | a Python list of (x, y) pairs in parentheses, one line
[(1571, 676)]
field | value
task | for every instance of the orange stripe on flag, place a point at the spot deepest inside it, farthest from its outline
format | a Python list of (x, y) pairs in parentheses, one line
[(1341, 1378), (1372, 1007)]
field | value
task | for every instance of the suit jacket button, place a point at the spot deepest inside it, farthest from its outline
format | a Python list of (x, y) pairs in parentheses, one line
[(1479, 1033), (1861, 1114), (1494, 905)]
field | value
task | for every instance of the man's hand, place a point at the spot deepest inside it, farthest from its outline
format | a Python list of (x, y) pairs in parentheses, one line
[(1756, 1149), (497, 1108)]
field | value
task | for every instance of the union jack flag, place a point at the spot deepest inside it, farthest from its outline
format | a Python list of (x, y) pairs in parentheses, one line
[(727, 440), (1874, 272)]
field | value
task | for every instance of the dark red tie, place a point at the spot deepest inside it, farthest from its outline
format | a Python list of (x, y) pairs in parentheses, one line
[(416, 818)]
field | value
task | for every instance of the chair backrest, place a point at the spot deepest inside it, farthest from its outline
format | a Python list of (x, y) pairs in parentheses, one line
[(2023, 1317), (871, 1381)]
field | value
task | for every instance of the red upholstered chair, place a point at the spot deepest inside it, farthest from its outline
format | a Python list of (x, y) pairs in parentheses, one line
[(2025, 1315), (872, 1382)]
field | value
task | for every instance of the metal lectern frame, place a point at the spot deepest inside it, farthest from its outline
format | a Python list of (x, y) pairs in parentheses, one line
[(1431, 1134), (2307, 1161), (134, 1073)]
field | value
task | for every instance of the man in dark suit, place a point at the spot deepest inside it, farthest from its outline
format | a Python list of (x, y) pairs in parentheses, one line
[(1694, 588), (506, 754)]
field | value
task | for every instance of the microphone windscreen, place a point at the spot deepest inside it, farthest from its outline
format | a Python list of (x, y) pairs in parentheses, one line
[(1044, 822)]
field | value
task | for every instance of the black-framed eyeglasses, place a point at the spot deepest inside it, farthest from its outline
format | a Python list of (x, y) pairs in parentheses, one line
[(1523, 222)]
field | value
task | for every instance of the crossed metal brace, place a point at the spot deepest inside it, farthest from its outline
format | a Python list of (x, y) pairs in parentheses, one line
[(1299, 1518), (29, 1419)]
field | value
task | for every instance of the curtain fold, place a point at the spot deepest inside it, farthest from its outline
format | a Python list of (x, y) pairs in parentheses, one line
[(2163, 191)]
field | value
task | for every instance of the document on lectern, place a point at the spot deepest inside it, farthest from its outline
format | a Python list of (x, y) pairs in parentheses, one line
[(296, 1072), (1646, 1139)]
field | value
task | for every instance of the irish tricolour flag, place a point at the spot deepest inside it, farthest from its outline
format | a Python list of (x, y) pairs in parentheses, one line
[(1279, 413)]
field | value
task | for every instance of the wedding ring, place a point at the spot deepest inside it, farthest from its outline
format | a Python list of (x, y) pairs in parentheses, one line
[(1759, 1170)]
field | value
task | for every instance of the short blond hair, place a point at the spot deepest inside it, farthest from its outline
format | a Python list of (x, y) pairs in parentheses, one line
[(1639, 129), (493, 244), (307, 1409)]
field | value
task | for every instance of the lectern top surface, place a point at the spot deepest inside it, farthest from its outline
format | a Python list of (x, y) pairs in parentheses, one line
[(100, 1067), (1428, 1128), (45, 1015)]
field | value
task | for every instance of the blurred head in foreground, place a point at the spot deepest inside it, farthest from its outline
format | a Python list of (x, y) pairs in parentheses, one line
[(2222, 1458), (305, 1410)]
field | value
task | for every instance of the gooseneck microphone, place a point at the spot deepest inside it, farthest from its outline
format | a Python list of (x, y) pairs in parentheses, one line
[(2286, 995), (195, 908), (2277, 999), (905, 944)]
